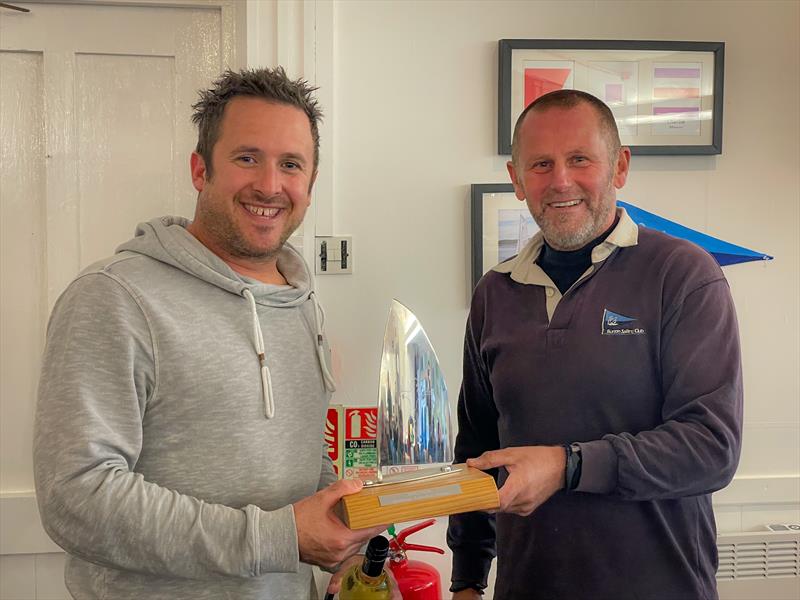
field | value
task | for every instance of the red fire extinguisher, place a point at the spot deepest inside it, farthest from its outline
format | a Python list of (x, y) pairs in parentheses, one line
[(417, 580)]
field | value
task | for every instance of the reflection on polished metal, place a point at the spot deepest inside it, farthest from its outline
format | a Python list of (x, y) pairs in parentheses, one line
[(414, 429), (413, 410)]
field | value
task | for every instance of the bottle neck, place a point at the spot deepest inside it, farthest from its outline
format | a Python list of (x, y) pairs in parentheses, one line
[(372, 565), (370, 580)]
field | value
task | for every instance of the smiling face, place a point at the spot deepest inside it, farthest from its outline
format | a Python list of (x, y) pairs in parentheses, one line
[(566, 175), (263, 171)]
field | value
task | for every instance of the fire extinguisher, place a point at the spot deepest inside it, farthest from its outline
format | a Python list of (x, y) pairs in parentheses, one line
[(417, 580)]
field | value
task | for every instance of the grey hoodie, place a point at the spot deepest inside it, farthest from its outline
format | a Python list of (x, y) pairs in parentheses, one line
[(166, 452)]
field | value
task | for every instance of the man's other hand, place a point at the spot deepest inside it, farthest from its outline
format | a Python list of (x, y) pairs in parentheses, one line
[(534, 474), (321, 536)]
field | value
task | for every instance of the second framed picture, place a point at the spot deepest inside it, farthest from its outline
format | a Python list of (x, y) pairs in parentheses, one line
[(666, 97), (501, 225)]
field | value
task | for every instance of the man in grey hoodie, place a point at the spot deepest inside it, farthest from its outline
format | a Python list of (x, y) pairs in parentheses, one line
[(178, 446)]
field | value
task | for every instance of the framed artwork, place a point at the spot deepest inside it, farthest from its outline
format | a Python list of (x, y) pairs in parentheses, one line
[(500, 226), (666, 96)]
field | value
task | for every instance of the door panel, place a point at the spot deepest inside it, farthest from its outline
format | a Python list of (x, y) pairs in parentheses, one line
[(95, 106), (125, 145), (22, 256)]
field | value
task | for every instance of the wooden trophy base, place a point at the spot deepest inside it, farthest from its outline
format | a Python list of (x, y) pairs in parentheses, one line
[(465, 489)]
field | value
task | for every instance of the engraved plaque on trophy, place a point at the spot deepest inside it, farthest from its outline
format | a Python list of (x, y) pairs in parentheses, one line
[(415, 439)]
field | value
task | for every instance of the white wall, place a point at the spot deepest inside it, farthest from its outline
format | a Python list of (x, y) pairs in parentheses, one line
[(415, 124)]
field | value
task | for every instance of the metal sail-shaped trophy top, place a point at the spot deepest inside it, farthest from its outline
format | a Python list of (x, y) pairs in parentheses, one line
[(414, 425)]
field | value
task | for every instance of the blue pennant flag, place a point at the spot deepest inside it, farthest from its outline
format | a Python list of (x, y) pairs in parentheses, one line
[(724, 252)]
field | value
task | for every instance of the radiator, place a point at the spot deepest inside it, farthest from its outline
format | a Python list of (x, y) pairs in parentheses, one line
[(759, 565)]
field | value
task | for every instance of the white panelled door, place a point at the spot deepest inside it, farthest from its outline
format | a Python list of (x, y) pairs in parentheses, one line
[(95, 136)]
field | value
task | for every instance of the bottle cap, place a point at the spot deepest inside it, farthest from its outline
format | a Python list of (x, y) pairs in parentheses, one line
[(377, 551)]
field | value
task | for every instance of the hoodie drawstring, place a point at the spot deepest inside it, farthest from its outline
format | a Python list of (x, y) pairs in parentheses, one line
[(319, 321), (266, 377)]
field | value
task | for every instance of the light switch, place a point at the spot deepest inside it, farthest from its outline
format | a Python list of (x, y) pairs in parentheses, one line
[(333, 255)]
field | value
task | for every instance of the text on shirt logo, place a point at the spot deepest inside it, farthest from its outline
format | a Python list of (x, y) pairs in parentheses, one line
[(617, 324)]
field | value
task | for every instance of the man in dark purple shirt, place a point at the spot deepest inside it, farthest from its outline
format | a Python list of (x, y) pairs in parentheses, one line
[(602, 386)]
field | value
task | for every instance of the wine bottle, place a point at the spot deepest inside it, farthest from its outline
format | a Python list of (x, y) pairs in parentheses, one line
[(368, 581)]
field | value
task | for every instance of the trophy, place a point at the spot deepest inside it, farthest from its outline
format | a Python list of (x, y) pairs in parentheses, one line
[(414, 434)]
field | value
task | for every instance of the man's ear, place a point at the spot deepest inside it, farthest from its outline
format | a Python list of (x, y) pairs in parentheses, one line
[(198, 169), (622, 167), (512, 172)]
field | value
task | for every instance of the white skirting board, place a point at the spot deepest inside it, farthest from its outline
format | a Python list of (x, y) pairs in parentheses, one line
[(21, 530)]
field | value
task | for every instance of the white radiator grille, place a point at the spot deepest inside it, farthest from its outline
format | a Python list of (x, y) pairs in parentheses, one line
[(764, 559), (759, 554), (759, 565)]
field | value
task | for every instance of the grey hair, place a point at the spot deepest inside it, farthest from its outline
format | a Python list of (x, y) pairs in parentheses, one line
[(570, 99)]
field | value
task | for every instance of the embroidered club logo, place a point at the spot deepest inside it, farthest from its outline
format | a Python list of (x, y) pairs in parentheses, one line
[(617, 324)]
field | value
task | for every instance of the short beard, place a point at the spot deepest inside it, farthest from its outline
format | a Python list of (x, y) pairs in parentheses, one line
[(594, 226), (225, 233), (578, 238)]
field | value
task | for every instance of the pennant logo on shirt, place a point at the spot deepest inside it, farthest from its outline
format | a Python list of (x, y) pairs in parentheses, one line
[(617, 324)]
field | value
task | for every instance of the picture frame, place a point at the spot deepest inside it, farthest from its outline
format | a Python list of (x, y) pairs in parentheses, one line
[(500, 225), (666, 96)]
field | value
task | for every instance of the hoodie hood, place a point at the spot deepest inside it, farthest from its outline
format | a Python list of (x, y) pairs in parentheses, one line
[(167, 240)]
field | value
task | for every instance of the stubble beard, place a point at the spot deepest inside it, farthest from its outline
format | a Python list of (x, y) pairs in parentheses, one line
[(559, 233), (228, 237)]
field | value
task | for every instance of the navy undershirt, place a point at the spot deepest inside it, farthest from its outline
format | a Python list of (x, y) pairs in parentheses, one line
[(565, 267)]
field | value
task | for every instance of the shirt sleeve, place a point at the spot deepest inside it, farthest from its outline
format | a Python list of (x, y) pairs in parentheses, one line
[(98, 372), (471, 536), (696, 448)]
